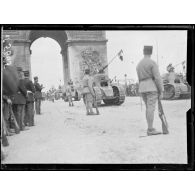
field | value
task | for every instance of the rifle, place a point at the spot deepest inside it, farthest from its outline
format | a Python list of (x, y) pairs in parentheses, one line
[(160, 109), (13, 119), (4, 131), (162, 117)]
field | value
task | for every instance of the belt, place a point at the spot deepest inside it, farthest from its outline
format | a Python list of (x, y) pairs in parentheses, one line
[(146, 79)]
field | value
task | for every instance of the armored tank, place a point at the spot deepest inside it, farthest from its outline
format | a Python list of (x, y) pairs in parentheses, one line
[(110, 93), (175, 85)]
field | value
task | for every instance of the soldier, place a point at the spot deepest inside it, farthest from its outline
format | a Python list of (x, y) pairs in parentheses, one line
[(38, 95), (88, 93), (69, 93), (29, 108), (19, 101), (150, 86)]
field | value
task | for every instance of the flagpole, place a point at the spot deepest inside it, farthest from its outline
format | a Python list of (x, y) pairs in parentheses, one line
[(113, 58)]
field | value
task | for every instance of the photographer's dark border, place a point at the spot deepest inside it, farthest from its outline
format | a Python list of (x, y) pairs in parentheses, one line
[(120, 167)]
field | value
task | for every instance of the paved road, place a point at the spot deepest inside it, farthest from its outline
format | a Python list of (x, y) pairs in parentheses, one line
[(65, 134)]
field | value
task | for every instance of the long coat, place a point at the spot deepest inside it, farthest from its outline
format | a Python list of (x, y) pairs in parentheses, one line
[(38, 88), (21, 95), (10, 80)]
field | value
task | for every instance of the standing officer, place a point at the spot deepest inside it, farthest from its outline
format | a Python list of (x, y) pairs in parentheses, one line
[(19, 101), (38, 95), (69, 93), (29, 108), (150, 86), (88, 93)]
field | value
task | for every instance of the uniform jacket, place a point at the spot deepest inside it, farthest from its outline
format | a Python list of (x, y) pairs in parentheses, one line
[(10, 80), (68, 90), (149, 76), (87, 84), (21, 94), (38, 88), (30, 89)]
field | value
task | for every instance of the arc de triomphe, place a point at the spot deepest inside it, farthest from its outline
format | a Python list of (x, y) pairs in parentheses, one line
[(78, 49)]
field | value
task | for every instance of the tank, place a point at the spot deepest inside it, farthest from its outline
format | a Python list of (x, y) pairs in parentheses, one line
[(106, 91), (175, 86)]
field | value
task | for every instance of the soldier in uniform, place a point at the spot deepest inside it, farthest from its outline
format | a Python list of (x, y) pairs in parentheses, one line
[(150, 86), (29, 108), (88, 93), (19, 101), (69, 93), (38, 95)]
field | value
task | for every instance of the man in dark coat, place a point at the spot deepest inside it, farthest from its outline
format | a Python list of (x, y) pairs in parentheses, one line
[(19, 101), (10, 84), (38, 95), (29, 107)]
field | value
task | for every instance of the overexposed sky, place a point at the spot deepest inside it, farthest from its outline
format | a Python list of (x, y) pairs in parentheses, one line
[(46, 59)]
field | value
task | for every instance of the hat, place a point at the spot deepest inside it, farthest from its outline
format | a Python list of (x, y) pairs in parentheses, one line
[(26, 73), (170, 67), (35, 78), (148, 50), (19, 69)]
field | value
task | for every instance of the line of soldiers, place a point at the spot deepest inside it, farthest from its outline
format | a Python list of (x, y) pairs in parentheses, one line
[(19, 95)]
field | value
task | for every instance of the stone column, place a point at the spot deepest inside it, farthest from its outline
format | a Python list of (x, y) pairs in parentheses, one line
[(22, 54), (66, 70)]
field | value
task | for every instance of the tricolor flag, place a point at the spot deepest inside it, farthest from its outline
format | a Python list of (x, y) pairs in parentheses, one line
[(120, 55)]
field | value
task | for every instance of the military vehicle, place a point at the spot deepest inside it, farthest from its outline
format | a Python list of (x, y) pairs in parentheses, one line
[(175, 85), (107, 91)]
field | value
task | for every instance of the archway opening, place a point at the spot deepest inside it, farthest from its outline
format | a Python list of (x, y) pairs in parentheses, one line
[(46, 62)]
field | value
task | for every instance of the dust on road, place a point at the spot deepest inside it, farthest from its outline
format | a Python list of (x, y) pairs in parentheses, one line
[(65, 134)]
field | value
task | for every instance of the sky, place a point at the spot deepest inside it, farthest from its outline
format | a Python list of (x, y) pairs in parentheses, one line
[(46, 60)]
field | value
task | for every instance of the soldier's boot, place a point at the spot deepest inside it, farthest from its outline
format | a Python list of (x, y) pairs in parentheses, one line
[(9, 131), (153, 132), (4, 140)]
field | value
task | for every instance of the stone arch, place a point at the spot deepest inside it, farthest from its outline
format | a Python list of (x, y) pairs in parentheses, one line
[(73, 44), (60, 37)]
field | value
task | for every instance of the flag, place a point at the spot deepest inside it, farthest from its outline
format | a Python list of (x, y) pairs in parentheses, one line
[(120, 55), (183, 64)]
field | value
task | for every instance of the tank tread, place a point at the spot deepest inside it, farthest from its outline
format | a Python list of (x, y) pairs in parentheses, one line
[(177, 93)]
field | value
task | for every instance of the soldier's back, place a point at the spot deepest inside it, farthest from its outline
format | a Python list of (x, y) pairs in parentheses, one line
[(144, 68)]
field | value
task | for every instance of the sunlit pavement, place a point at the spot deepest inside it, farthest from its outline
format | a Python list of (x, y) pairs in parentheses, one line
[(65, 134)]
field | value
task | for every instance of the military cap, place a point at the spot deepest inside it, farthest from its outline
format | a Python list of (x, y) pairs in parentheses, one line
[(19, 69), (170, 67), (148, 50), (26, 73), (35, 78)]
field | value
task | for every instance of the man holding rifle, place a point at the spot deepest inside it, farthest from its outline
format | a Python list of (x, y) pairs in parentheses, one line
[(150, 86)]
